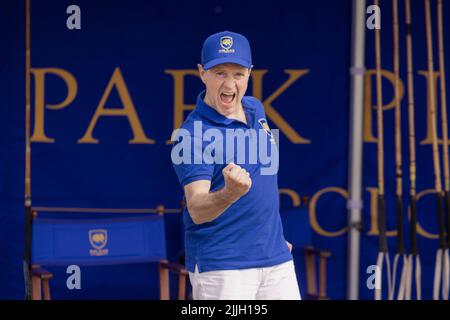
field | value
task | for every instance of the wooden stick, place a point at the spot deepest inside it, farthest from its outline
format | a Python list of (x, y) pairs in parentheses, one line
[(444, 144), (383, 248), (410, 76), (432, 100), (443, 96), (380, 145), (400, 250), (414, 250), (27, 106), (27, 251), (379, 111), (398, 131), (437, 168), (443, 92)]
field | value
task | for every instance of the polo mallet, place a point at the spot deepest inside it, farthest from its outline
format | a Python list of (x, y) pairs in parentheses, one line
[(382, 244), (446, 275), (414, 250), (400, 250), (437, 168), (27, 251)]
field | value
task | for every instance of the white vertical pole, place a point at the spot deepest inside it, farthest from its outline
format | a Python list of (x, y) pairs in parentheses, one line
[(354, 205)]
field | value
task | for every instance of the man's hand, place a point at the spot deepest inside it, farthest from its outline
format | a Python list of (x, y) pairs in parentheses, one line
[(237, 181), (289, 245)]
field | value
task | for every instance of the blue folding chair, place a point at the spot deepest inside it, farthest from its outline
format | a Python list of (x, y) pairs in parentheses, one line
[(62, 239)]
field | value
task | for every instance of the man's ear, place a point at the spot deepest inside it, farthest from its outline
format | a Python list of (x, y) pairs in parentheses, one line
[(250, 70), (201, 72)]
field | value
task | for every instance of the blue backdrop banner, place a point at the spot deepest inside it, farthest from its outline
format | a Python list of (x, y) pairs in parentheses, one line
[(105, 99)]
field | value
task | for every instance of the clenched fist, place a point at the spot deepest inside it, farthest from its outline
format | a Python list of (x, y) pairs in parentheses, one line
[(237, 180)]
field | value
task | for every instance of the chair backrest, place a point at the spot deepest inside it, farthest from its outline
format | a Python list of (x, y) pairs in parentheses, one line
[(59, 239)]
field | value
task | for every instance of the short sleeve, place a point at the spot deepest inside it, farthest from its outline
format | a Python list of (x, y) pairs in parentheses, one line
[(188, 162)]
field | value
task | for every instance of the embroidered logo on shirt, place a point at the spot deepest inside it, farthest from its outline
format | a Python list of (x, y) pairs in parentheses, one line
[(265, 126)]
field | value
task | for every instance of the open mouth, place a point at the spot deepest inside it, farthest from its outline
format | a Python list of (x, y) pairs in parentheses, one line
[(227, 98)]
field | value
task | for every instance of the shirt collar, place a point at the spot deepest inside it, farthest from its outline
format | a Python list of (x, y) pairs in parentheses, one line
[(210, 113)]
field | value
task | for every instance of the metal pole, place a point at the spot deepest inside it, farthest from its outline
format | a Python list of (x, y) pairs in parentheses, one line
[(356, 144)]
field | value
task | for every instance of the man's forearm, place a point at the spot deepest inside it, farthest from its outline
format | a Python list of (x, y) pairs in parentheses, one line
[(205, 207)]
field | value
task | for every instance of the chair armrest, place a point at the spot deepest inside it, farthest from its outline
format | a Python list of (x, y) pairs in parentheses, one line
[(174, 267), (322, 253), (41, 273)]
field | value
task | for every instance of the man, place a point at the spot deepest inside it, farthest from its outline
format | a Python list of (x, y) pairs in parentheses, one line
[(235, 248)]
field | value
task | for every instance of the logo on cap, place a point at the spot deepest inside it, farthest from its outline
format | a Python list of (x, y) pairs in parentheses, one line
[(226, 42)]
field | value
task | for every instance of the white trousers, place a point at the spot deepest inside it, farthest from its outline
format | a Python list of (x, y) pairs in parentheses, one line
[(271, 283)]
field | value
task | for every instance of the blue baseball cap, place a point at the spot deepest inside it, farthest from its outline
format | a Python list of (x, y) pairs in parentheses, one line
[(226, 47)]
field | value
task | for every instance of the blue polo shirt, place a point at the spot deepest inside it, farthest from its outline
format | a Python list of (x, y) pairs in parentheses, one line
[(249, 234)]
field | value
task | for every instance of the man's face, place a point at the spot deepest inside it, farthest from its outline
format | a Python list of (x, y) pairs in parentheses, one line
[(225, 86)]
